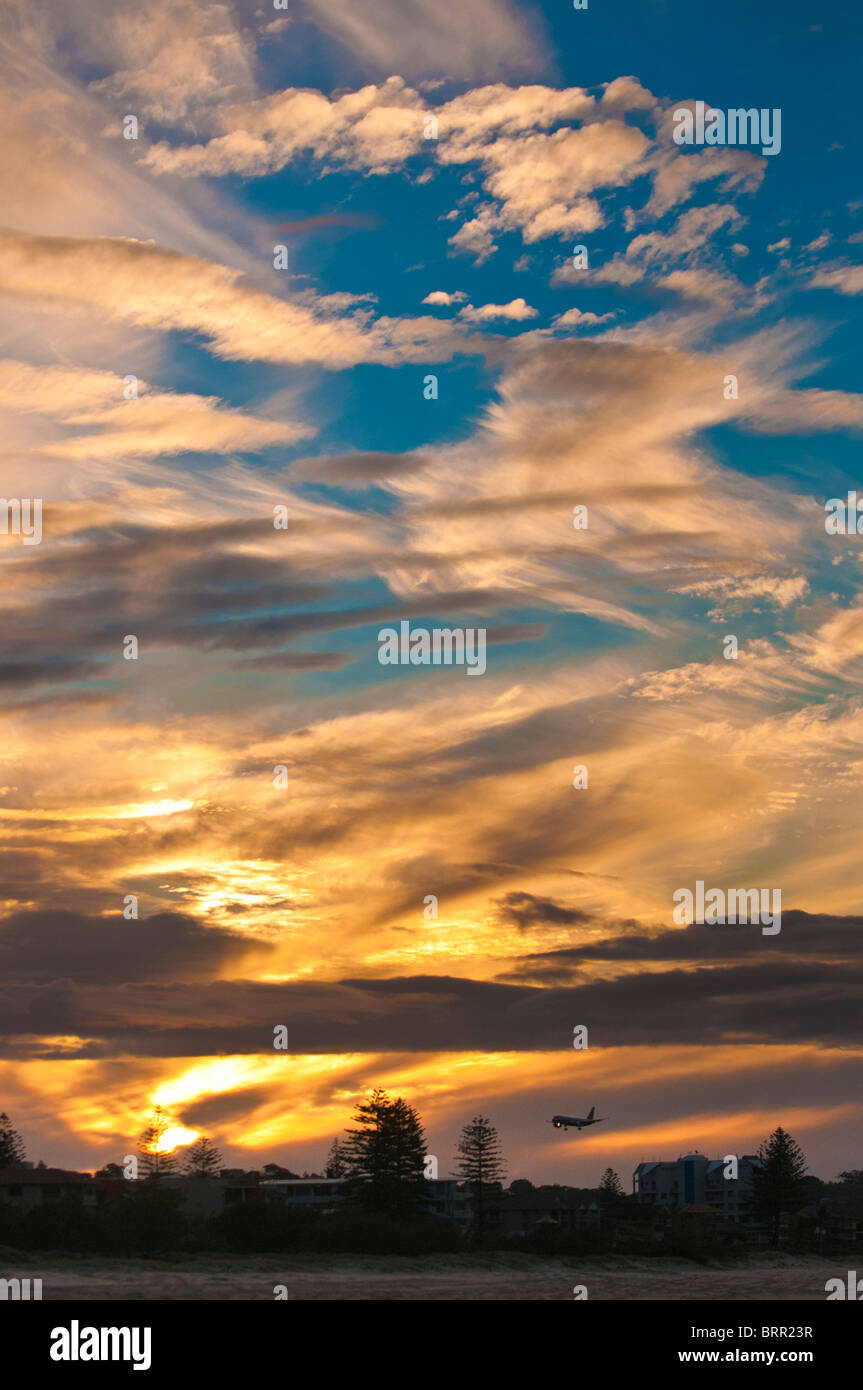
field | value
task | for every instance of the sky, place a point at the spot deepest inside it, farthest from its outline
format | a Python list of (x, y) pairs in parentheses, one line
[(317, 320)]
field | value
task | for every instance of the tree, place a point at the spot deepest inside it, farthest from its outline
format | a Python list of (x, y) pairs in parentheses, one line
[(777, 1186), (480, 1162), (111, 1170), (203, 1159), (336, 1163), (12, 1151), (385, 1158), (521, 1187), (157, 1162), (610, 1189)]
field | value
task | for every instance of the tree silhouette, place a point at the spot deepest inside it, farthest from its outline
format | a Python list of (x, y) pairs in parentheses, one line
[(12, 1151), (480, 1162), (155, 1162), (203, 1159), (610, 1189), (336, 1164), (777, 1186), (385, 1158), (275, 1170), (111, 1170)]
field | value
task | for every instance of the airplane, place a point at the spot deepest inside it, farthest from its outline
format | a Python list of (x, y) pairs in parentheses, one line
[(564, 1121)]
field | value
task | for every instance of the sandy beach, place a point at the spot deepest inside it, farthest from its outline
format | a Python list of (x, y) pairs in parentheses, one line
[(438, 1277)]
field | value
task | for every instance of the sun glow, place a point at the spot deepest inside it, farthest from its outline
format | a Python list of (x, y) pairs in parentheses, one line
[(174, 1137)]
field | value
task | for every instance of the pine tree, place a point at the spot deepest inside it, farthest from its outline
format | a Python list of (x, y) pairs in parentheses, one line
[(480, 1162), (385, 1158), (336, 1163), (203, 1159), (155, 1162), (12, 1151), (776, 1185), (610, 1190)]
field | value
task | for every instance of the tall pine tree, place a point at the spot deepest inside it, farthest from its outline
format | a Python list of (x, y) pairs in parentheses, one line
[(203, 1159), (156, 1161), (611, 1193), (336, 1165), (777, 1185), (12, 1152), (480, 1162), (385, 1157)]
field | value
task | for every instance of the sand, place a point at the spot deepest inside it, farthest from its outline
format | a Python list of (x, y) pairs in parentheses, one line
[(435, 1277)]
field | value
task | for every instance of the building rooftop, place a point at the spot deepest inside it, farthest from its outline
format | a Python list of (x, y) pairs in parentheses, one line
[(32, 1177)]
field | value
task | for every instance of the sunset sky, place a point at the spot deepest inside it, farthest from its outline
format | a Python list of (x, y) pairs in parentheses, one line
[(258, 388)]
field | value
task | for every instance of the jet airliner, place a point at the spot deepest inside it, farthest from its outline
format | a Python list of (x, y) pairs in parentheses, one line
[(577, 1121)]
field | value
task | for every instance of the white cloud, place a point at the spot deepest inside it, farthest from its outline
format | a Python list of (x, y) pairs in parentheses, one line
[(476, 237), (516, 310), (145, 285), (700, 283), (444, 299), (610, 425), (847, 279), (180, 58), (627, 94), (692, 231), (735, 595), (675, 175), (579, 318), (541, 181), (674, 260)]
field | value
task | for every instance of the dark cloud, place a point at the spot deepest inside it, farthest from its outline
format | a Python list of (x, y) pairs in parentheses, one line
[(356, 470), (168, 945), (49, 668), (526, 910), (516, 632), (803, 935), (296, 661), (212, 1111), (776, 997), (253, 632)]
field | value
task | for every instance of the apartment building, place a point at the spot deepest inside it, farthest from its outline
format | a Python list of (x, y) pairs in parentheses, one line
[(694, 1179)]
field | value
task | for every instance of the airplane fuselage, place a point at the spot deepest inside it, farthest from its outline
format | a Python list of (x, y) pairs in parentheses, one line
[(571, 1122)]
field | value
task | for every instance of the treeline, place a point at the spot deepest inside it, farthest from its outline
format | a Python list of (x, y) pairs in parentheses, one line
[(150, 1219), (382, 1201)]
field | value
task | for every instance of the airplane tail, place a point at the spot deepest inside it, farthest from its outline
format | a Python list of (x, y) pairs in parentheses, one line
[(592, 1109)]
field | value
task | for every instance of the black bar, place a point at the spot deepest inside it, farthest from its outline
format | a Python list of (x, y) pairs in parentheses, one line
[(607, 1337)]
